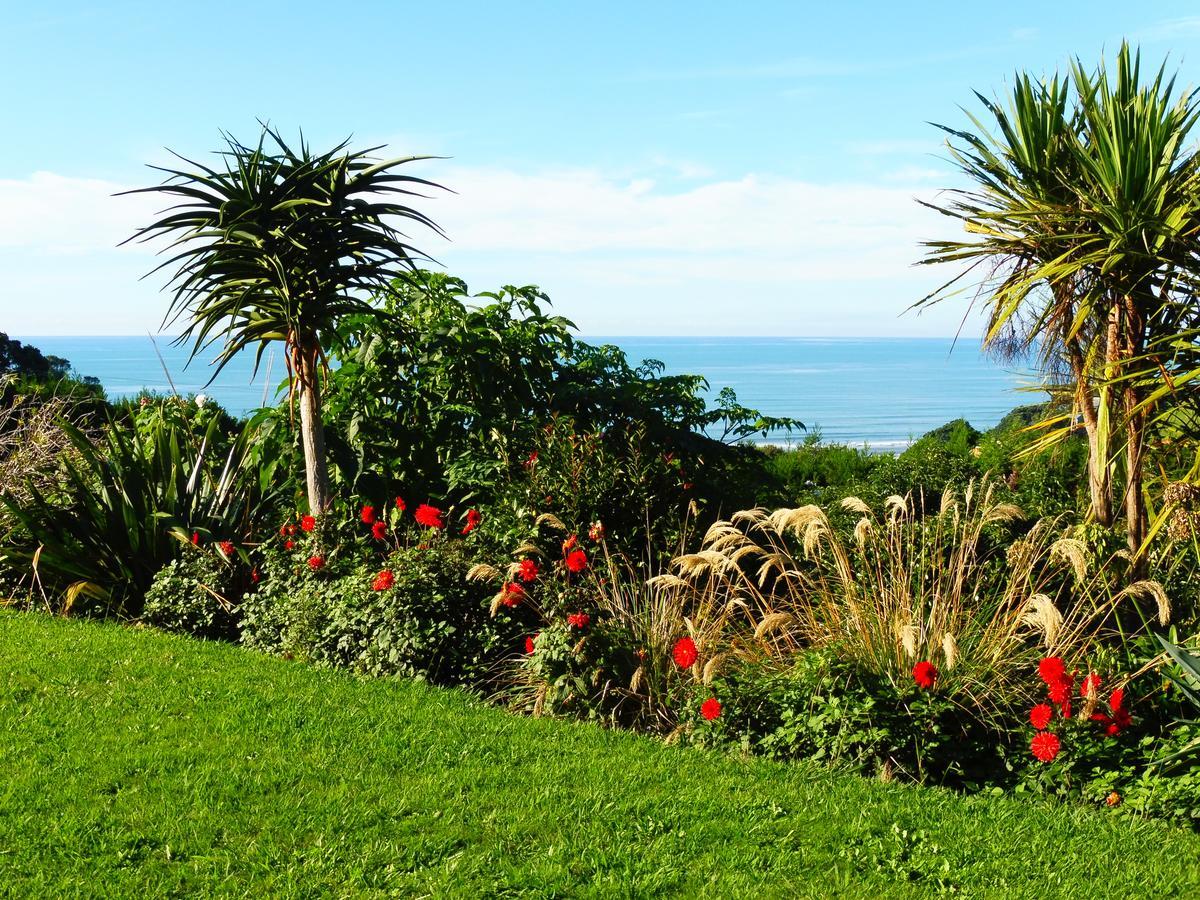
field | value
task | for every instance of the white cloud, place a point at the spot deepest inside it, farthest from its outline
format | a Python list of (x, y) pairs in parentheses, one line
[(758, 254), (58, 214)]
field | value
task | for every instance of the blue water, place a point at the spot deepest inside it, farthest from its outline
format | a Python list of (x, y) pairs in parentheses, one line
[(879, 392)]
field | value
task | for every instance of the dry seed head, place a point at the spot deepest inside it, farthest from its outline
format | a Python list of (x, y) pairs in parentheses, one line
[(483, 572), (750, 516), (528, 549), (771, 623), (550, 519), (949, 650), (636, 681), (1041, 614), (1151, 589), (862, 530), (1002, 512), (909, 635), (711, 667), (949, 501), (1073, 552), (897, 506), (855, 505)]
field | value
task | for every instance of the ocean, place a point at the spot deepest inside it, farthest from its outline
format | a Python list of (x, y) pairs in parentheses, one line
[(878, 392)]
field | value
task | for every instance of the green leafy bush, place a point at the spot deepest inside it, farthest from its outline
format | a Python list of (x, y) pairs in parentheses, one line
[(197, 594), (429, 621)]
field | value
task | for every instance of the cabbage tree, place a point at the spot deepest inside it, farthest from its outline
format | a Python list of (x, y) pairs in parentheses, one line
[(279, 244)]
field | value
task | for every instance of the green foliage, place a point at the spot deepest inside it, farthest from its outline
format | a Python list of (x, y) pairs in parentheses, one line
[(822, 707), (450, 398), (432, 623), (196, 594), (126, 505)]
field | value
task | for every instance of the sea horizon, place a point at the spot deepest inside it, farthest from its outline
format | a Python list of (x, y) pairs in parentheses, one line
[(842, 386)]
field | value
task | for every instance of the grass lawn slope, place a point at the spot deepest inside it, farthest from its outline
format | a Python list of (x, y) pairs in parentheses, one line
[(137, 764)]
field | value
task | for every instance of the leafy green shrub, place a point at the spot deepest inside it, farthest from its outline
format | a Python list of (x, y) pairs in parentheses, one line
[(195, 594), (824, 708), (428, 622)]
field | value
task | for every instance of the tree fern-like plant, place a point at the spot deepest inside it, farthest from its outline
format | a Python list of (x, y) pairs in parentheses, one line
[(280, 244)]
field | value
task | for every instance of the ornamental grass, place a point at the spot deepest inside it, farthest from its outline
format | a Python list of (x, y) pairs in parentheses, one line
[(972, 588)]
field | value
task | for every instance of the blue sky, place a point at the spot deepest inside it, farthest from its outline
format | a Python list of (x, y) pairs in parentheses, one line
[(671, 168)]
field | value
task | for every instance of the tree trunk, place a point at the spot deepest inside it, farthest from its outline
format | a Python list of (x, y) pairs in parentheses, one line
[(312, 429), (1099, 483), (1136, 518)]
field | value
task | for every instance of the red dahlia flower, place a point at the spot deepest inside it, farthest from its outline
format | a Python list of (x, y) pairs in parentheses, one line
[(577, 561), (710, 708), (316, 562), (291, 530), (367, 515), (473, 520), (1051, 669), (308, 523), (513, 594), (379, 530), (527, 571), (289, 544), (196, 538), (1045, 746), (1041, 715), (529, 644), (383, 580), (579, 620), (429, 516), (685, 653), (401, 506), (227, 547), (925, 674), (1062, 689)]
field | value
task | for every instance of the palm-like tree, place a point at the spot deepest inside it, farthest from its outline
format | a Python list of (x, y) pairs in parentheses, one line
[(1020, 215), (280, 244), (1088, 212)]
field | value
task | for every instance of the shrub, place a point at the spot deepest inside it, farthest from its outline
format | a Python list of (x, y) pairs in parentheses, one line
[(195, 594), (429, 622)]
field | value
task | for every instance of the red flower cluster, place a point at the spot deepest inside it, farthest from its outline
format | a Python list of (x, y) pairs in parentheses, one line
[(287, 545), (685, 653), (710, 708), (227, 547), (379, 530), (1120, 719), (577, 561), (513, 594), (316, 562), (527, 571), (367, 515), (383, 580), (529, 644), (473, 520), (287, 530), (925, 674), (429, 516), (1045, 746), (1060, 685), (401, 506), (579, 620), (1040, 716), (308, 523)]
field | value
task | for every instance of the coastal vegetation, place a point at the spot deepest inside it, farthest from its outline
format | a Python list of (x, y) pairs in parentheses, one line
[(492, 505)]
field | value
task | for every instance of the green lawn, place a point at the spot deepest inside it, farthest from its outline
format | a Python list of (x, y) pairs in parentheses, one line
[(137, 764)]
